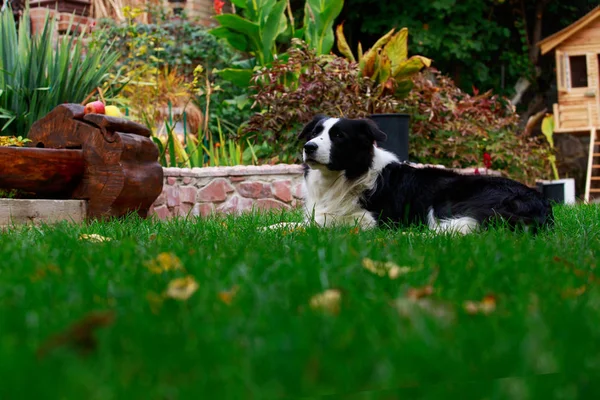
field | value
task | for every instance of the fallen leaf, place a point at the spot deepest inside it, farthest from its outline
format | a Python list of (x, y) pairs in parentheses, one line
[(329, 301), (419, 293), (410, 308), (228, 295), (485, 306), (152, 237), (94, 238), (577, 271), (155, 300), (574, 292), (354, 231), (181, 288), (42, 272), (164, 262), (383, 268), (80, 335)]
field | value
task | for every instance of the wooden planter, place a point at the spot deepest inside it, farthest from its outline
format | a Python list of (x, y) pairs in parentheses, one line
[(109, 162)]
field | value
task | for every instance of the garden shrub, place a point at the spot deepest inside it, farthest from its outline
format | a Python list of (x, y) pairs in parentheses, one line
[(448, 126), (38, 73), (169, 44), (453, 128), (293, 90)]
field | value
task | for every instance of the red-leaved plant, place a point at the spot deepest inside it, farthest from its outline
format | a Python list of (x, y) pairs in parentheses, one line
[(293, 90), (453, 128)]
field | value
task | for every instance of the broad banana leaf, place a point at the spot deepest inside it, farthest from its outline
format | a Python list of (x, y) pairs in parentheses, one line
[(235, 39), (239, 77), (397, 49), (319, 16), (274, 24), (373, 52), (385, 70), (241, 25), (411, 66), (403, 87), (342, 44), (548, 129), (240, 3)]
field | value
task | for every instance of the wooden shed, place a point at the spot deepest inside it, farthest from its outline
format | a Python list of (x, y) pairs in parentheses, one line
[(577, 53)]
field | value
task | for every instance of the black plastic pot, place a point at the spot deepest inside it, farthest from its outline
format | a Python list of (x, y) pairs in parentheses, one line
[(395, 126), (555, 192)]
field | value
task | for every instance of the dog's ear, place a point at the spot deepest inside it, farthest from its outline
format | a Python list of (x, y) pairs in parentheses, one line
[(308, 128), (371, 129)]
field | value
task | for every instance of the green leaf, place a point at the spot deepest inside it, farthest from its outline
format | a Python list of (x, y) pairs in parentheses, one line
[(235, 39), (271, 29), (368, 59), (239, 77), (548, 129), (397, 49), (239, 3), (403, 87), (411, 66), (319, 16)]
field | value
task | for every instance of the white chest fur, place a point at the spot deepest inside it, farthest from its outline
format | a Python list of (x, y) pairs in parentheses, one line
[(331, 199)]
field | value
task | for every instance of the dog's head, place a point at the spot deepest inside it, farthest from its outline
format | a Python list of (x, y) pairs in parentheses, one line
[(340, 144)]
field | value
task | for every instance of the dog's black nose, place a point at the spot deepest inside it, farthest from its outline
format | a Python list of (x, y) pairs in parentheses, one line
[(310, 147)]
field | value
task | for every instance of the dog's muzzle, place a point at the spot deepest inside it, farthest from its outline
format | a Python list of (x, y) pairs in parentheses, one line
[(310, 148)]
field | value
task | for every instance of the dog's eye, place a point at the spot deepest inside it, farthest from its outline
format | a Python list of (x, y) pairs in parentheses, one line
[(337, 134)]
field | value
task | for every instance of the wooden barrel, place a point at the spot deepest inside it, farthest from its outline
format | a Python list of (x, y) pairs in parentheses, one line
[(51, 172)]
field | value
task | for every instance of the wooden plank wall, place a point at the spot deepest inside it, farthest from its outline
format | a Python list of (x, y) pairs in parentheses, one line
[(573, 103)]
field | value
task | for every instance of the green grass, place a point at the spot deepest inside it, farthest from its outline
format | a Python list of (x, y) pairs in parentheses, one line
[(539, 342)]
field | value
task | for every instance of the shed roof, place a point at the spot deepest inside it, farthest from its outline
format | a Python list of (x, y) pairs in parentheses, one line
[(554, 40)]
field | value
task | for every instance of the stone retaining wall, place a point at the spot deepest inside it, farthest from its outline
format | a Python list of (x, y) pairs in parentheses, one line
[(202, 191)]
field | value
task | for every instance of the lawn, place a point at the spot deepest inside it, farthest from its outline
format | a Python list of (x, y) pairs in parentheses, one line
[(531, 329)]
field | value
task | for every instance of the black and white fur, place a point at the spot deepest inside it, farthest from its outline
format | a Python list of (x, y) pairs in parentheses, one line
[(349, 180)]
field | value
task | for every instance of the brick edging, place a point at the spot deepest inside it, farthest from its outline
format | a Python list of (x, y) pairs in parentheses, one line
[(240, 170)]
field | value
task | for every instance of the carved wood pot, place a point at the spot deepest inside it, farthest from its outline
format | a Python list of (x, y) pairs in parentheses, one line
[(110, 162), (50, 173)]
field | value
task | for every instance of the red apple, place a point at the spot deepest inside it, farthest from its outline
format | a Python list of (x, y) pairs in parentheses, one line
[(95, 107)]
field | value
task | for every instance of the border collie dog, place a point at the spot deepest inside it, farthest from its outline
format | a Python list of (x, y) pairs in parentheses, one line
[(349, 180)]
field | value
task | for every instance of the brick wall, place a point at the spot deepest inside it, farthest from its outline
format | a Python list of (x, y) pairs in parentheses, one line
[(203, 191)]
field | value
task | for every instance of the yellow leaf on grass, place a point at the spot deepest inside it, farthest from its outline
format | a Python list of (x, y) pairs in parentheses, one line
[(329, 301), (383, 268), (155, 301), (164, 262), (42, 272), (419, 293), (92, 237), (182, 288), (227, 296), (485, 306)]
